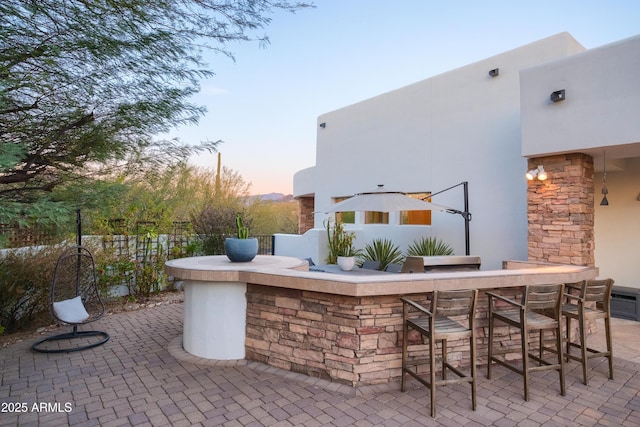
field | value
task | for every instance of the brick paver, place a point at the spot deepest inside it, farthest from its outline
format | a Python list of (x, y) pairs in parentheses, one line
[(142, 377)]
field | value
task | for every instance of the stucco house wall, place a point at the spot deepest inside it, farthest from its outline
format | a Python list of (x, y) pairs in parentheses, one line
[(463, 125), (598, 117)]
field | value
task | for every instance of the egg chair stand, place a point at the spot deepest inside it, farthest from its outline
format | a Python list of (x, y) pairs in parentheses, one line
[(74, 299)]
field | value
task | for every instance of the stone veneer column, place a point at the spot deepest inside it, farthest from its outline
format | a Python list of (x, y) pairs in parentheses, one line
[(560, 210), (306, 219)]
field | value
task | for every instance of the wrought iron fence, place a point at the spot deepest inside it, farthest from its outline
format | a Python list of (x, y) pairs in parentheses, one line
[(214, 244), (133, 263), (143, 255), (137, 242), (14, 236), (265, 245)]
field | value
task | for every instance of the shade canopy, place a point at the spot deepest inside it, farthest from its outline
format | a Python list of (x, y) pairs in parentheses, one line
[(384, 201)]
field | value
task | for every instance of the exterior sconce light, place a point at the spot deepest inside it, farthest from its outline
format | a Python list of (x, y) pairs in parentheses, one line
[(557, 96), (495, 72), (323, 125), (537, 172)]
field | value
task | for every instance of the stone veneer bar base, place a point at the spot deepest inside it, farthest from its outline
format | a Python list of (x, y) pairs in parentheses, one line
[(352, 340)]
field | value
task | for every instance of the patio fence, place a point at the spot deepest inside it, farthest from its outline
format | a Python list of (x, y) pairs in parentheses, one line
[(137, 241), (36, 235), (133, 260)]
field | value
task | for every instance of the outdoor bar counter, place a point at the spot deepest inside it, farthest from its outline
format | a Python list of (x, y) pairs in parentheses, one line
[(342, 327)]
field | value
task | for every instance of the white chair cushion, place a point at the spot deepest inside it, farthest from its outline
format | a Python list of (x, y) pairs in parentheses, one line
[(71, 310)]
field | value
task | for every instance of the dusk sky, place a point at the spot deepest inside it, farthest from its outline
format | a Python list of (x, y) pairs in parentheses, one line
[(264, 105)]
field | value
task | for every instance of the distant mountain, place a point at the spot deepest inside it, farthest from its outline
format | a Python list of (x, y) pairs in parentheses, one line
[(276, 197)]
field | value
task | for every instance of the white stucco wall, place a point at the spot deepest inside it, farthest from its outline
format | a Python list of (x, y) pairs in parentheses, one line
[(459, 126), (311, 244), (304, 182)]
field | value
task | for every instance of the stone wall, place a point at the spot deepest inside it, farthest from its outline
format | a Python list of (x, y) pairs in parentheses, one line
[(351, 340), (306, 219), (560, 210)]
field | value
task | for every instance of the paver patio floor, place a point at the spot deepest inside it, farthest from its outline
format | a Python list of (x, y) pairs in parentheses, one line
[(142, 378)]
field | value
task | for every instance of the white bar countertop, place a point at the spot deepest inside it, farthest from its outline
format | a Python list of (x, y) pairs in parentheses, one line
[(292, 273)]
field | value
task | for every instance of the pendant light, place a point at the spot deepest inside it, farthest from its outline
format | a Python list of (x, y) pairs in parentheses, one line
[(604, 201)]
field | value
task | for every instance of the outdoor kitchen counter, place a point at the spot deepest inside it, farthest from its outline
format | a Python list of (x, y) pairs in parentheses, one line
[(515, 274), (292, 273), (342, 327)]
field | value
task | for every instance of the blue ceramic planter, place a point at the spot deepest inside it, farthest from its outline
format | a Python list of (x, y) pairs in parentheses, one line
[(241, 250)]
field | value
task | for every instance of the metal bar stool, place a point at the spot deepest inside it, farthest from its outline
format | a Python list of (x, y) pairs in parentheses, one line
[(586, 301), (451, 316), (539, 311)]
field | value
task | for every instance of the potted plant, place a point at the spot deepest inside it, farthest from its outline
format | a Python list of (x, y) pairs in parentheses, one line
[(341, 249), (241, 248)]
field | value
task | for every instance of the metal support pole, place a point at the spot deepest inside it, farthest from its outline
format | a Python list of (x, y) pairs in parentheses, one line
[(465, 214), (78, 228), (467, 218)]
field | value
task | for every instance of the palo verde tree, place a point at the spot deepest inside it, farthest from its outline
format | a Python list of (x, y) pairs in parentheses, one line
[(87, 85)]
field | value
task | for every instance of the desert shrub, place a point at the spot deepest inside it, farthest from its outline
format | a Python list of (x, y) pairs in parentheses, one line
[(215, 223), (114, 271), (149, 269), (213, 244), (429, 246), (382, 250), (192, 246), (142, 276), (25, 278)]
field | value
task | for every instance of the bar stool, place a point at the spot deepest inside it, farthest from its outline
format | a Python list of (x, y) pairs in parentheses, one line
[(539, 310), (451, 316), (586, 301)]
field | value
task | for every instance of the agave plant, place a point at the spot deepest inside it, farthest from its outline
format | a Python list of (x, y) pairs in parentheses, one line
[(382, 250), (429, 246)]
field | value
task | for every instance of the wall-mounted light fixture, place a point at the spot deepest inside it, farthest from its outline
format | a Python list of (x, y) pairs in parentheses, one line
[(557, 96), (495, 72), (537, 172), (605, 191), (323, 125)]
